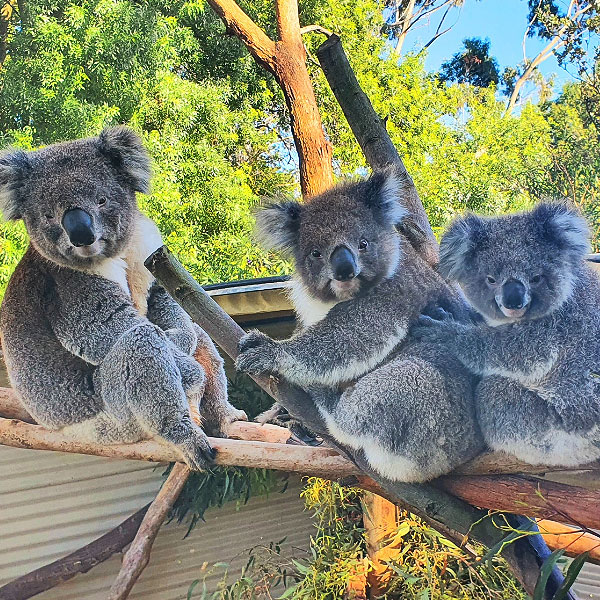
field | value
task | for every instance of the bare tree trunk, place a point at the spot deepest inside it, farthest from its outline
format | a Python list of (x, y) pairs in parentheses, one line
[(374, 140), (380, 521), (286, 60)]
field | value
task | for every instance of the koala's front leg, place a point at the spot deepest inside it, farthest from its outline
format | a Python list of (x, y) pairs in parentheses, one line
[(140, 373), (350, 341), (486, 350)]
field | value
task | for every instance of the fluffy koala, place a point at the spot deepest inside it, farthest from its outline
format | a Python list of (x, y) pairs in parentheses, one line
[(357, 287), (539, 348), (94, 346)]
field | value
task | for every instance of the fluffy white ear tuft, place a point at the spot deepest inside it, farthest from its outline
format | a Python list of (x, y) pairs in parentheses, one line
[(383, 194), (13, 170), (125, 150), (456, 245), (277, 226), (563, 225)]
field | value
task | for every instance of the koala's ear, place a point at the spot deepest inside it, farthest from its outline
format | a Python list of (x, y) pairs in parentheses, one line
[(461, 238), (563, 225), (382, 196), (277, 225), (14, 166), (125, 150)]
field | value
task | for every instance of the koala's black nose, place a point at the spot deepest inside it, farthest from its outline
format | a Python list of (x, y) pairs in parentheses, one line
[(343, 264), (513, 294), (79, 227)]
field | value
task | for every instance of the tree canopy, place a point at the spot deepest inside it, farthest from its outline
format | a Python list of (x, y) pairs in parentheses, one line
[(218, 130)]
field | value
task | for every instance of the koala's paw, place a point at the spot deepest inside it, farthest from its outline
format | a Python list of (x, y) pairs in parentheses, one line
[(437, 313), (258, 353), (197, 452), (229, 415), (432, 330)]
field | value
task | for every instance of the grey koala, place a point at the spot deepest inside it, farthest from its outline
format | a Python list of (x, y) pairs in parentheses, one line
[(539, 350), (358, 286), (94, 347)]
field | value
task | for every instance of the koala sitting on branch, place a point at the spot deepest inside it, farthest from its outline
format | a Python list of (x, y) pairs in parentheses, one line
[(93, 345), (539, 349), (358, 286)]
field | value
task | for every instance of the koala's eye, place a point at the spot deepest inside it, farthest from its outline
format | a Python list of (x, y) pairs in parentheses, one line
[(316, 254), (535, 279), (102, 201), (490, 280), (363, 244), (49, 217)]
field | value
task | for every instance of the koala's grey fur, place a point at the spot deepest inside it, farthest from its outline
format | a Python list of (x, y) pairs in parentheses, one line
[(93, 346), (539, 398), (411, 410)]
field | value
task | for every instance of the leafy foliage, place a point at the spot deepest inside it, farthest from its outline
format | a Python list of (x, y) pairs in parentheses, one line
[(426, 566), (472, 65)]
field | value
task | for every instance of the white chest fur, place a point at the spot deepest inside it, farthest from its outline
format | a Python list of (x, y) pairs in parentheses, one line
[(128, 269), (309, 309)]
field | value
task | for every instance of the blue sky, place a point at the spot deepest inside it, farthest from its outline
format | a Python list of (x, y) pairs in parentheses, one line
[(502, 21)]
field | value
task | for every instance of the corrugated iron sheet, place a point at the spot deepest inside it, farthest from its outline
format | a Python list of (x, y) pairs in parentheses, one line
[(53, 503)]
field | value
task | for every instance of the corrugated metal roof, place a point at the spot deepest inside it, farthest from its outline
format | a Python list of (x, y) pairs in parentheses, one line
[(55, 503)]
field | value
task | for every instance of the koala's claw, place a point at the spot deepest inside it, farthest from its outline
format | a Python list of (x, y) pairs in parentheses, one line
[(198, 454), (258, 353)]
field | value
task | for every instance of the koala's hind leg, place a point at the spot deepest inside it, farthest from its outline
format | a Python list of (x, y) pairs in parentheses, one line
[(215, 410), (521, 422), (410, 419), (140, 372)]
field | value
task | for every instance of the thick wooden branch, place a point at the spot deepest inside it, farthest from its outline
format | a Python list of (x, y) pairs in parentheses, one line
[(238, 23), (373, 138), (80, 561), (137, 557), (488, 463)]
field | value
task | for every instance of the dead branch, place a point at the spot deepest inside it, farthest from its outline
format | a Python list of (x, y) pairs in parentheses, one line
[(80, 561), (374, 140), (488, 463), (138, 555)]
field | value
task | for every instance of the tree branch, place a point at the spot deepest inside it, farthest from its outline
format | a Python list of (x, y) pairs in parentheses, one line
[(238, 23), (138, 555), (80, 561)]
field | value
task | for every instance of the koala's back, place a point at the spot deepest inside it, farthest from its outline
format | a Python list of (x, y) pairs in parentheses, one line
[(35, 359)]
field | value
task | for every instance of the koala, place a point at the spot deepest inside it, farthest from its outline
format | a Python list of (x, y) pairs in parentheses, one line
[(358, 286), (94, 347), (538, 350)]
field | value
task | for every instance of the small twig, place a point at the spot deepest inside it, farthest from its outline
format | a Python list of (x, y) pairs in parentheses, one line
[(138, 555)]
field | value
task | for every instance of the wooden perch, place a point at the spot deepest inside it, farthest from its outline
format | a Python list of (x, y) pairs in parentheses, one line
[(80, 561), (138, 555), (533, 497), (488, 463)]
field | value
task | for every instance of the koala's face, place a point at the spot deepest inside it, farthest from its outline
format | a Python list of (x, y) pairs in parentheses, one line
[(519, 266), (77, 199), (344, 241)]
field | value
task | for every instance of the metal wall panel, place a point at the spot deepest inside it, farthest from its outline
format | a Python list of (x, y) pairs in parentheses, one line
[(53, 503)]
